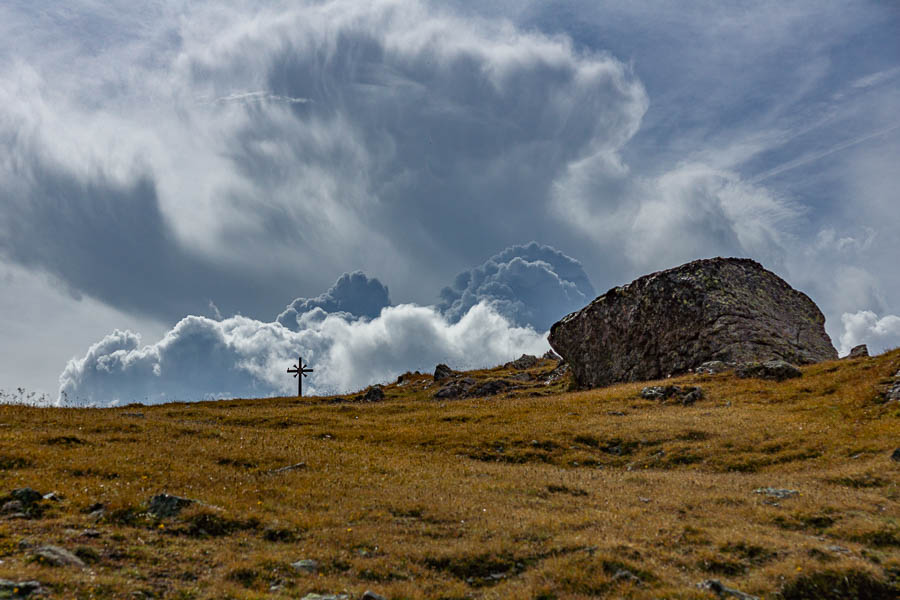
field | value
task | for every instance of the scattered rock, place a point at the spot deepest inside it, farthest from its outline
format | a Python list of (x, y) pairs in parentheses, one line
[(526, 361), (56, 556), (26, 496), (779, 493), (558, 373), (774, 370), (19, 589), (164, 506), (716, 587), (89, 533), (306, 566), (896, 455), (626, 575), (467, 387), (370, 595), (713, 367), (666, 323), (551, 355), (294, 467), (13, 508), (455, 389), (686, 395), (373, 394), (893, 392), (861, 351), (53, 497), (442, 371), (326, 597)]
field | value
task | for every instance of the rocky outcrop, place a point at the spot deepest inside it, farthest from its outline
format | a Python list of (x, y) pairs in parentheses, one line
[(721, 309)]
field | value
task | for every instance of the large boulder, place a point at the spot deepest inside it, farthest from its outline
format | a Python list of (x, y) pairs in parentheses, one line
[(720, 309)]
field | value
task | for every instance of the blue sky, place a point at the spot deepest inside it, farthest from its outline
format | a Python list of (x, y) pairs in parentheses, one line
[(234, 158)]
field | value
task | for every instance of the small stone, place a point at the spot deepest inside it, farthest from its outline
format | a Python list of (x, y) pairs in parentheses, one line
[(713, 367), (326, 597), (53, 497), (779, 493), (896, 455), (693, 395), (374, 394), (89, 533), (306, 566), (716, 587), (551, 355), (12, 507), (19, 589), (26, 496), (370, 595), (861, 351), (775, 370), (166, 505), (526, 361), (626, 575), (838, 549), (56, 556), (442, 371)]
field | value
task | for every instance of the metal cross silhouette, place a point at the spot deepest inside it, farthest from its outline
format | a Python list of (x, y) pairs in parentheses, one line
[(298, 370)]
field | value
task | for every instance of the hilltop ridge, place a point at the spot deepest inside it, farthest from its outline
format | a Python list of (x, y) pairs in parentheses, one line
[(785, 490)]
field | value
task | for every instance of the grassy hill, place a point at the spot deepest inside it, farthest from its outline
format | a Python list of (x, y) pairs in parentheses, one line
[(536, 493)]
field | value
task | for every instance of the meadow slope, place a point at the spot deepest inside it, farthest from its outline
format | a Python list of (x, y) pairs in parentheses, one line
[(537, 493)]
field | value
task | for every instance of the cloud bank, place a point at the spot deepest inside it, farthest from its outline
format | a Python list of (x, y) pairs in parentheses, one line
[(201, 358), (532, 285)]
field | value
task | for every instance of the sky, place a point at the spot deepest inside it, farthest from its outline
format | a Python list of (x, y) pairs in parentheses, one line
[(192, 194)]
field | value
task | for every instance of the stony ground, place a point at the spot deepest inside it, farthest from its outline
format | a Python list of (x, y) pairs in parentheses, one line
[(776, 490)]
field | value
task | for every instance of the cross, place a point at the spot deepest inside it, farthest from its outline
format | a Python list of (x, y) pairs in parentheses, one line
[(298, 370)]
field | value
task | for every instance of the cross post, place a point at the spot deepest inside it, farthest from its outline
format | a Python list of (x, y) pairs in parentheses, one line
[(300, 370)]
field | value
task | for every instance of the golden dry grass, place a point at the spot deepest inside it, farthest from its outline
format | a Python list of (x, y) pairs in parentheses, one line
[(515, 496)]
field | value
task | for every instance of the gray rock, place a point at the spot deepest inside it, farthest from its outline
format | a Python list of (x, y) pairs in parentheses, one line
[(442, 371), (373, 394), (626, 575), (670, 322), (12, 507), (715, 586), (896, 455), (306, 565), (686, 395), (893, 393), (861, 351), (26, 496), (370, 595), (326, 597), (19, 589), (713, 367), (551, 355), (556, 374), (56, 556), (164, 506), (526, 361), (779, 493), (774, 370)]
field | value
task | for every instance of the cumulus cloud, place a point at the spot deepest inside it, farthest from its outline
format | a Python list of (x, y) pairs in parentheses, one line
[(201, 358), (532, 285), (865, 327), (353, 293)]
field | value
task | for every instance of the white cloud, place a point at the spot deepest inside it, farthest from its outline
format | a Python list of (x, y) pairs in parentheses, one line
[(865, 327), (239, 357)]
